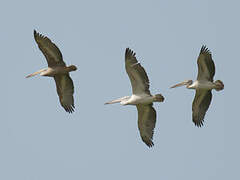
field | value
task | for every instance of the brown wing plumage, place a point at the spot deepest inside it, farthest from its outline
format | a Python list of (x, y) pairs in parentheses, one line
[(200, 106), (136, 73), (206, 67), (65, 90), (146, 123), (51, 52)]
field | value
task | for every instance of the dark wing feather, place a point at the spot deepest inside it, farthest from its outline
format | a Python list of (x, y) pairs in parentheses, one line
[(65, 90), (206, 67), (200, 106), (51, 52), (136, 73), (146, 123)]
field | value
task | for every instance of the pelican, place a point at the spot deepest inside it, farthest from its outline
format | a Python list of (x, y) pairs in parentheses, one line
[(203, 86), (56, 69), (141, 97)]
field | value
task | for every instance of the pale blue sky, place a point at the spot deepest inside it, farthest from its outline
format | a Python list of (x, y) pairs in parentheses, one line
[(39, 140)]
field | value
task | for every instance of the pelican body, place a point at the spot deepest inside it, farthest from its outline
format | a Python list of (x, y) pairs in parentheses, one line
[(203, 86), (56, 69), (52, 71), (141, 97), (144, 99)]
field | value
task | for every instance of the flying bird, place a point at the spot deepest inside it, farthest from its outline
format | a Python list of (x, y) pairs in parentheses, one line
[(203, 86), (141, 97), (56, 69)]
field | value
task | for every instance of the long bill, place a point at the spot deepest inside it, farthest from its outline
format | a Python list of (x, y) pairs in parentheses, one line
[(35, 73), (180, 84), (117, 100)]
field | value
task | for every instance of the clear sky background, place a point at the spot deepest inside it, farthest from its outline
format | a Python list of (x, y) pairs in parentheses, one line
[(39, 140)]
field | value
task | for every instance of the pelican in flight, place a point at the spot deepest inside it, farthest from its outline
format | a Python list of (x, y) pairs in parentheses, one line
[(203, 86), (56, 69), (141, 97)]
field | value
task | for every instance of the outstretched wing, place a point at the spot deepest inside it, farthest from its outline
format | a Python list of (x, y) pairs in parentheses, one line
[(206, 67), (65, 90), (146, 123), (200, 106), (136, 73), (51, 52)]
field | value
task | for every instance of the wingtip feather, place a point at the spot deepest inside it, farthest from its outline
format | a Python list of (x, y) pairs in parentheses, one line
[(35, 33), (198, 121), (199, 125), (148, 141), (129, 53), (204, 49), (69, 109)]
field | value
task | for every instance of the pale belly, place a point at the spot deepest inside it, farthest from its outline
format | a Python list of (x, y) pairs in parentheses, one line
[(49, 72), (53, 71), (136, 99), (203, 85)]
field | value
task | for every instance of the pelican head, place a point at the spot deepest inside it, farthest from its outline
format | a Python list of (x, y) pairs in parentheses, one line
[(71, 68), (186, 82), (219, 85), (158, 98)]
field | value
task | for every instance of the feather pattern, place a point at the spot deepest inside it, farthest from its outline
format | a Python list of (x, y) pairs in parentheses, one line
[(65, 90), (51, 52), (201, 103), (206, 67), (136, 73), (146, 122)]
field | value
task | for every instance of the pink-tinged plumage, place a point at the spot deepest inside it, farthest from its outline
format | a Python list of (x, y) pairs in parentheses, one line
[(58, 70), (203, 86), (141, 97)]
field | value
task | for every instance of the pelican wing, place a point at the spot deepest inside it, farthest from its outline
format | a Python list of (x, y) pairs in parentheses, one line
[(137, 74), (65, 90), (206, 67), (146, 123), (200, 106), (51, 52)]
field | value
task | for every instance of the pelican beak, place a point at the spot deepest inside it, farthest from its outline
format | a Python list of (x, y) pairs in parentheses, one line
[(34, 74), (180, 84), (30, 75)]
